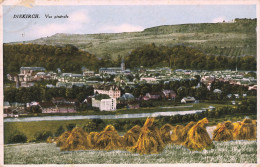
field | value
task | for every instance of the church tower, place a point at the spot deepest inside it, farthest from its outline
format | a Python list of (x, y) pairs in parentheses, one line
[(123, 65)]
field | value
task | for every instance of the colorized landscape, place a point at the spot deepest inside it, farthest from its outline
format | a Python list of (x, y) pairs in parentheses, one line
[(179, 93)]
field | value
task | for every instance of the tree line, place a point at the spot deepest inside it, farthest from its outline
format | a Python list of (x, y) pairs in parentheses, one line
[(184, 57), (70, 59)]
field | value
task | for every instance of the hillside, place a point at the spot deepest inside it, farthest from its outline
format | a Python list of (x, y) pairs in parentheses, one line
[(227, 39)]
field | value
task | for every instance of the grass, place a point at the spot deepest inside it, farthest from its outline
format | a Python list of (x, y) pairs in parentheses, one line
[(43, 153), (30, 128), (211, 38)]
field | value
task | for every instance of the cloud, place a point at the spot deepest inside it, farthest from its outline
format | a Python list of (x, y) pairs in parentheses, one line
[(74, 24), (121, 28), (218, 19)]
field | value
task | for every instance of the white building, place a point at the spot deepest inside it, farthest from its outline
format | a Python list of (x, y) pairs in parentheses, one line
[(104, 104), (112, 93)]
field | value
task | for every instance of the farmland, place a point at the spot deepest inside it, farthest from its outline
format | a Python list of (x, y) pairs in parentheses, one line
[(213, 38), (43, 153)]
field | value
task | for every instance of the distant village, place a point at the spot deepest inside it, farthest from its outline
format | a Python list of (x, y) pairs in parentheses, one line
[(107, 94)]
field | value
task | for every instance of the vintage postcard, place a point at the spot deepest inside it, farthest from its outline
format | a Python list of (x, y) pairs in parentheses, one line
[(129, 82)]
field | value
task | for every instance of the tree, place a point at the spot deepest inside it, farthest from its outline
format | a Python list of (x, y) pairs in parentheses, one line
[(17, 137), (59, 131)]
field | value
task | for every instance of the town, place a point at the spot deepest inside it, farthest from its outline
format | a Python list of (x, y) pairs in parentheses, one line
[(117, 87)]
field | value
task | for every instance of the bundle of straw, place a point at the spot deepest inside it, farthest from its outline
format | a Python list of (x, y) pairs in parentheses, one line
[(223, 131), (92, 138), (245, 130), (149, 141), (109, 139), (166, 131), (131, 137), (176, 133), (198, 137), (184, 133), (62, 138), (77, 140)]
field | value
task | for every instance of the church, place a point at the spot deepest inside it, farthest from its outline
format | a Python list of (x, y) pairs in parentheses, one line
[(115, 70)]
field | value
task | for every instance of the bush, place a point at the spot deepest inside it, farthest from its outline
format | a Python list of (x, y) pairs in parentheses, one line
[(42, 136), (70, 126), (18, 137), (59, 131)]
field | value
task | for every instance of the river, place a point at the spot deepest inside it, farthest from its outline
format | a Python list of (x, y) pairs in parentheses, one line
[(121, 116)]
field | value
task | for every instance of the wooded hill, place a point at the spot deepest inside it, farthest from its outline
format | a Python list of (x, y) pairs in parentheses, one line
[(226, 39), (70, 59)]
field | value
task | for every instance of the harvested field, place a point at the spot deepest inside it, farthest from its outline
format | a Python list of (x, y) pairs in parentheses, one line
[(47, 153)]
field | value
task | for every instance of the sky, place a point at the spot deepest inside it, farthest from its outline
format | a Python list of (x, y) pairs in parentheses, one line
[(111, 19)]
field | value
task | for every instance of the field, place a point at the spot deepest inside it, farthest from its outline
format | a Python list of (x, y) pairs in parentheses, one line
[(43, 153), (31, 128), (216, 39)]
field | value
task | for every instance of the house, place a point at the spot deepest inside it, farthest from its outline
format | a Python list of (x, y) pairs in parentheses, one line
[(148, 79), (229, 95), (58, 100), (252, 87), (27, 84), (6, 105), (66, 108), (111, 91), (236, 96), (104, 104), (48, 107), (154, 95), (188, 100), (169, 94), (217, 91), (88, 73)]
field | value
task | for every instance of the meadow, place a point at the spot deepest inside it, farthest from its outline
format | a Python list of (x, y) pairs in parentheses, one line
[(31, 128), (42, 153)]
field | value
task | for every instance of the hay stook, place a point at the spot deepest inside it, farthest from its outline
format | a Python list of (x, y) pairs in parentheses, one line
[(149, 141), (165, 132), (131, 137), (223, 131), (77, 140), (245, 130), (109, 139), (198, 137)]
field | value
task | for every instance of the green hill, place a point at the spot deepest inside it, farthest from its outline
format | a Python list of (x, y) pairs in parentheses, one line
[(226, 39)]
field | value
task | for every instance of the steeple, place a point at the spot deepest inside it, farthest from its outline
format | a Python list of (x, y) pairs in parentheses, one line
[(123, 64)]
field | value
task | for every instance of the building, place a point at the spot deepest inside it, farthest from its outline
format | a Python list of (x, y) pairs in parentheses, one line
[(169, 94), (30, 70), (88, 73), (148, 79), (115, 70), (188, 100), (111, 91), (50, 107), (153, 96), (104, 104)]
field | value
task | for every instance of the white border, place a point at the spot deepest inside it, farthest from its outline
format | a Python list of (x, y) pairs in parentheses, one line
[(31, 3)]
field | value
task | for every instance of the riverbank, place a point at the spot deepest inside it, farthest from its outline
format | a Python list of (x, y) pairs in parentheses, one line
[(122, 116)]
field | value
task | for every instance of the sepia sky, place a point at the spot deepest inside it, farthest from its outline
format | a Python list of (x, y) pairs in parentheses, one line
[(112, 19)]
